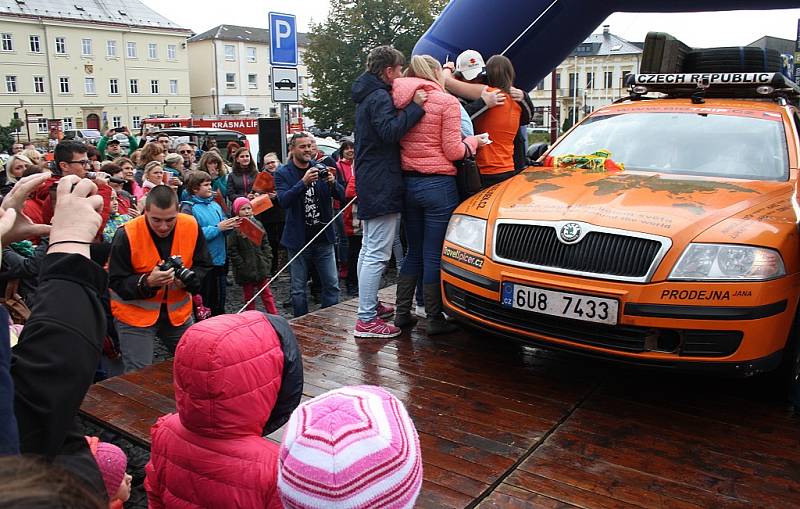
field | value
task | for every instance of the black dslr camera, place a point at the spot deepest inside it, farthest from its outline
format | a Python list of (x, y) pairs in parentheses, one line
[(184, 275), (323, 171)]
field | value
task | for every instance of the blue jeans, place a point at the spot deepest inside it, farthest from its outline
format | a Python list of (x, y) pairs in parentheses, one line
[(376, 249), (322, 256), (429, 203)]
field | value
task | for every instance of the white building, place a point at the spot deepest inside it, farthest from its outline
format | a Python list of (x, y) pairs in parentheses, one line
[(592, 76), (230, 71), (90, 64)]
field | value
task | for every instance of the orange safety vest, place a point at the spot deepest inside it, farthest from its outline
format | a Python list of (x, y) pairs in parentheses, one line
[(144, 256)]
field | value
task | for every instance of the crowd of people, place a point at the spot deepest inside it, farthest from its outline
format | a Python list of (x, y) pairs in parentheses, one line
[(105, 250)]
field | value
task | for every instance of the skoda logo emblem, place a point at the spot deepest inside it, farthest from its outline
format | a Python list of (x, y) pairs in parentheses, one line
[(570, 232)]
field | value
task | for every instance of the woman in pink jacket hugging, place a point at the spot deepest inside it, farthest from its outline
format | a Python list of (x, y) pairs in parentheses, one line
[(427, 153)]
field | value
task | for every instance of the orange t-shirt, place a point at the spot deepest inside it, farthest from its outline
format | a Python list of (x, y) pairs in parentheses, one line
[(502, 124)]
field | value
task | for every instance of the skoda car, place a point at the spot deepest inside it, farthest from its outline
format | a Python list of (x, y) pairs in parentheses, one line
[(659, 231)]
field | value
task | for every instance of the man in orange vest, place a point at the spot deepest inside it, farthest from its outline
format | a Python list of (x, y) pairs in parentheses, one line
[(149, 297)]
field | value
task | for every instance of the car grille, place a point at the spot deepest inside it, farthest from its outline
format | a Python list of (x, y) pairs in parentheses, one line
[(597, 253), (623, 338)]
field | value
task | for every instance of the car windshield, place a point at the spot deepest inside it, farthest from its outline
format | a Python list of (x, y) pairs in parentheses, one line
[(686, 143)]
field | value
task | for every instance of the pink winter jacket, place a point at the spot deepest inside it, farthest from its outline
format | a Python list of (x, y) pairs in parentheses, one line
[(227, 375), (434, 143)]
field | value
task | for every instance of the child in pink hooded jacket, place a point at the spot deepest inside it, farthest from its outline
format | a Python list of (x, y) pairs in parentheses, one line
[(427, 155)]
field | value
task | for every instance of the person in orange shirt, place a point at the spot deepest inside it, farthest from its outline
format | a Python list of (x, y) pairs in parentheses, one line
[(496, 160)]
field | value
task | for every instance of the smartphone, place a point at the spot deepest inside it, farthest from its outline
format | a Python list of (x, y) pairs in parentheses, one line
[(119, 129)]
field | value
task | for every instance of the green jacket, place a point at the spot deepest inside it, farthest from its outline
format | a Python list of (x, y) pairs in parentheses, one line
[(133, 144), (250, 263)]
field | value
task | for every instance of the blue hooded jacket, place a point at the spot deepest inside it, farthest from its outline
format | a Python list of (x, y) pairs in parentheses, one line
[(208, 214), (379, 128)]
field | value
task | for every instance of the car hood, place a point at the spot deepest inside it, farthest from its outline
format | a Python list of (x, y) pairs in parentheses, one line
[(675, 206)]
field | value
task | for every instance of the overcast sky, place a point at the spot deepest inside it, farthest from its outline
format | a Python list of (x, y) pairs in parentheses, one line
[(733, 28)]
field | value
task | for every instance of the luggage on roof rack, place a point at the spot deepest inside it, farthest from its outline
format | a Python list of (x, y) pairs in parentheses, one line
[(735, 59), (663, 53), (755, 85)]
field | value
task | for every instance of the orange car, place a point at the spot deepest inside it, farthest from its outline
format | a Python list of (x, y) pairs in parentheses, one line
[(657, 231)]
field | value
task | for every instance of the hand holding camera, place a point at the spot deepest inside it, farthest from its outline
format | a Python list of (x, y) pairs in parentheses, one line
[(169, 271)]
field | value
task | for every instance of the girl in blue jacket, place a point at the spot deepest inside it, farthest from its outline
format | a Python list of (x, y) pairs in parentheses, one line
[(214, 224)]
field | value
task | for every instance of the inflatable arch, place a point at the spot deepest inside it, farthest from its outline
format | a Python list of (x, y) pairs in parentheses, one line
[(538, 34)]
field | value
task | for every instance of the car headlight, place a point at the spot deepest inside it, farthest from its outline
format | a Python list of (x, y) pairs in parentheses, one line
[(467, 231), (728, 261)]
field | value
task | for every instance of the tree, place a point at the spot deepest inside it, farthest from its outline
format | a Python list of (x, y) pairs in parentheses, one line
[(338, 47), (6, 136)]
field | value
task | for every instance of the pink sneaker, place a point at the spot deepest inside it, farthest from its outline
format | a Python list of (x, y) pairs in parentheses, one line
[(375, 328), (383, 310)]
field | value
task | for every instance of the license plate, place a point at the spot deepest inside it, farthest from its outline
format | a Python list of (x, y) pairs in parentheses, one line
[(568, 305)]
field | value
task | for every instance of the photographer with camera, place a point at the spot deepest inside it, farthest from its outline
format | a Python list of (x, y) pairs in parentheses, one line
[(304, 189), (110, 148), (158, 260)]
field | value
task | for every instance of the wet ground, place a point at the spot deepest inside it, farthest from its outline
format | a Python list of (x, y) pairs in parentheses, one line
[(138, 456)]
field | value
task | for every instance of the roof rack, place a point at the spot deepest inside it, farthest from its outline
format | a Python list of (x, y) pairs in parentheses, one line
[(753, 85)]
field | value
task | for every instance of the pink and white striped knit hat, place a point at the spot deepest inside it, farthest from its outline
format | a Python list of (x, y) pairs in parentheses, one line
[(350, 448)]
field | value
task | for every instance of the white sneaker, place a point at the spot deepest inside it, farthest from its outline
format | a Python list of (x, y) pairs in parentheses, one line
[(420, 311)]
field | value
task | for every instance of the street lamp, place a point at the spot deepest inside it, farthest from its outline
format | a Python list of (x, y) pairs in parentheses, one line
[(18, 131), (166, 103), (214, 100)]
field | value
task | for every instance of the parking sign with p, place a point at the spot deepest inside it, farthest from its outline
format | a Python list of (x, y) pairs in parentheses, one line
[(282, 39)]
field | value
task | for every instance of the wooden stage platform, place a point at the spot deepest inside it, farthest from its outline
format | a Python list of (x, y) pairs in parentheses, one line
[(508, 426)]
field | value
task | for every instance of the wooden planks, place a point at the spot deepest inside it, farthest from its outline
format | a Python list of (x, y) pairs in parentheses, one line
[(504, 425)]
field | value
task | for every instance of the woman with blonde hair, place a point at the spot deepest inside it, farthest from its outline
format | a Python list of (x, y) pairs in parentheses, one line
[(153, 175), (151, 152), (211, 162), (15, 167), (128, 171), (427, 153), (33, 155)]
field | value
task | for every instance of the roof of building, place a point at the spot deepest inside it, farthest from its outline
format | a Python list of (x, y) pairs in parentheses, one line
[(240, 33), (605, 44), (121, 12), (776, 43)]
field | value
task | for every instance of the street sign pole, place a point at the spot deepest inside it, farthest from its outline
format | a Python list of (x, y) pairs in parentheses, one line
[(284, 131)]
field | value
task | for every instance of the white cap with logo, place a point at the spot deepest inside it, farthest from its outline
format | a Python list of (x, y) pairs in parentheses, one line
[(470, 64)]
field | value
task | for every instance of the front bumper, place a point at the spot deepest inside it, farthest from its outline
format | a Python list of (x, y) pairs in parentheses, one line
[(708, 337)]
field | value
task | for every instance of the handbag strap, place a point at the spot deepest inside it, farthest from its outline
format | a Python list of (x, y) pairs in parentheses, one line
[(469, 150), (11, 288)]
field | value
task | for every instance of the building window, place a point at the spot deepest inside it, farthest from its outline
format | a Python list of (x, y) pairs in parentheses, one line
[(251, 54), (88, 84), (171, 50), (41, 125), (116, 121), (38, 84), (540, 85), (111, 48), (230, 80), (573, 83), (113, 86), (153, 86), (61, 46), (152, 50), (8, 44), (136, 121), (67, 123), (609, 79), (230, 52), (134, 86), (558, 80), (11, 84), (34, 42), (63, 84), (252, 80), (589, 80), (131, 50), (173, 87), (624, 78), (86, 47)]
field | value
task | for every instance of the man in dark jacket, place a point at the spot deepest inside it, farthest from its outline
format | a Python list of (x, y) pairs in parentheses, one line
[(379, 180), (306, 198)]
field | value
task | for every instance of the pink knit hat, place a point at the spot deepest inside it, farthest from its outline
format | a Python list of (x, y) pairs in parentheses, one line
[(239, 203), (353, 447), (112, 463)]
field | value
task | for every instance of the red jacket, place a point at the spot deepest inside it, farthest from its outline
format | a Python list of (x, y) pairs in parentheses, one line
[(39, 207), (227, 374)]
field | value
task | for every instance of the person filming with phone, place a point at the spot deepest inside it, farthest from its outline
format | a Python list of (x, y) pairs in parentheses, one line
[(305, 187), (110, 147), (158, 260)]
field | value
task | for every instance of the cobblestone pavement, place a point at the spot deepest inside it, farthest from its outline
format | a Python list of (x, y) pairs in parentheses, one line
[(138, 456)]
